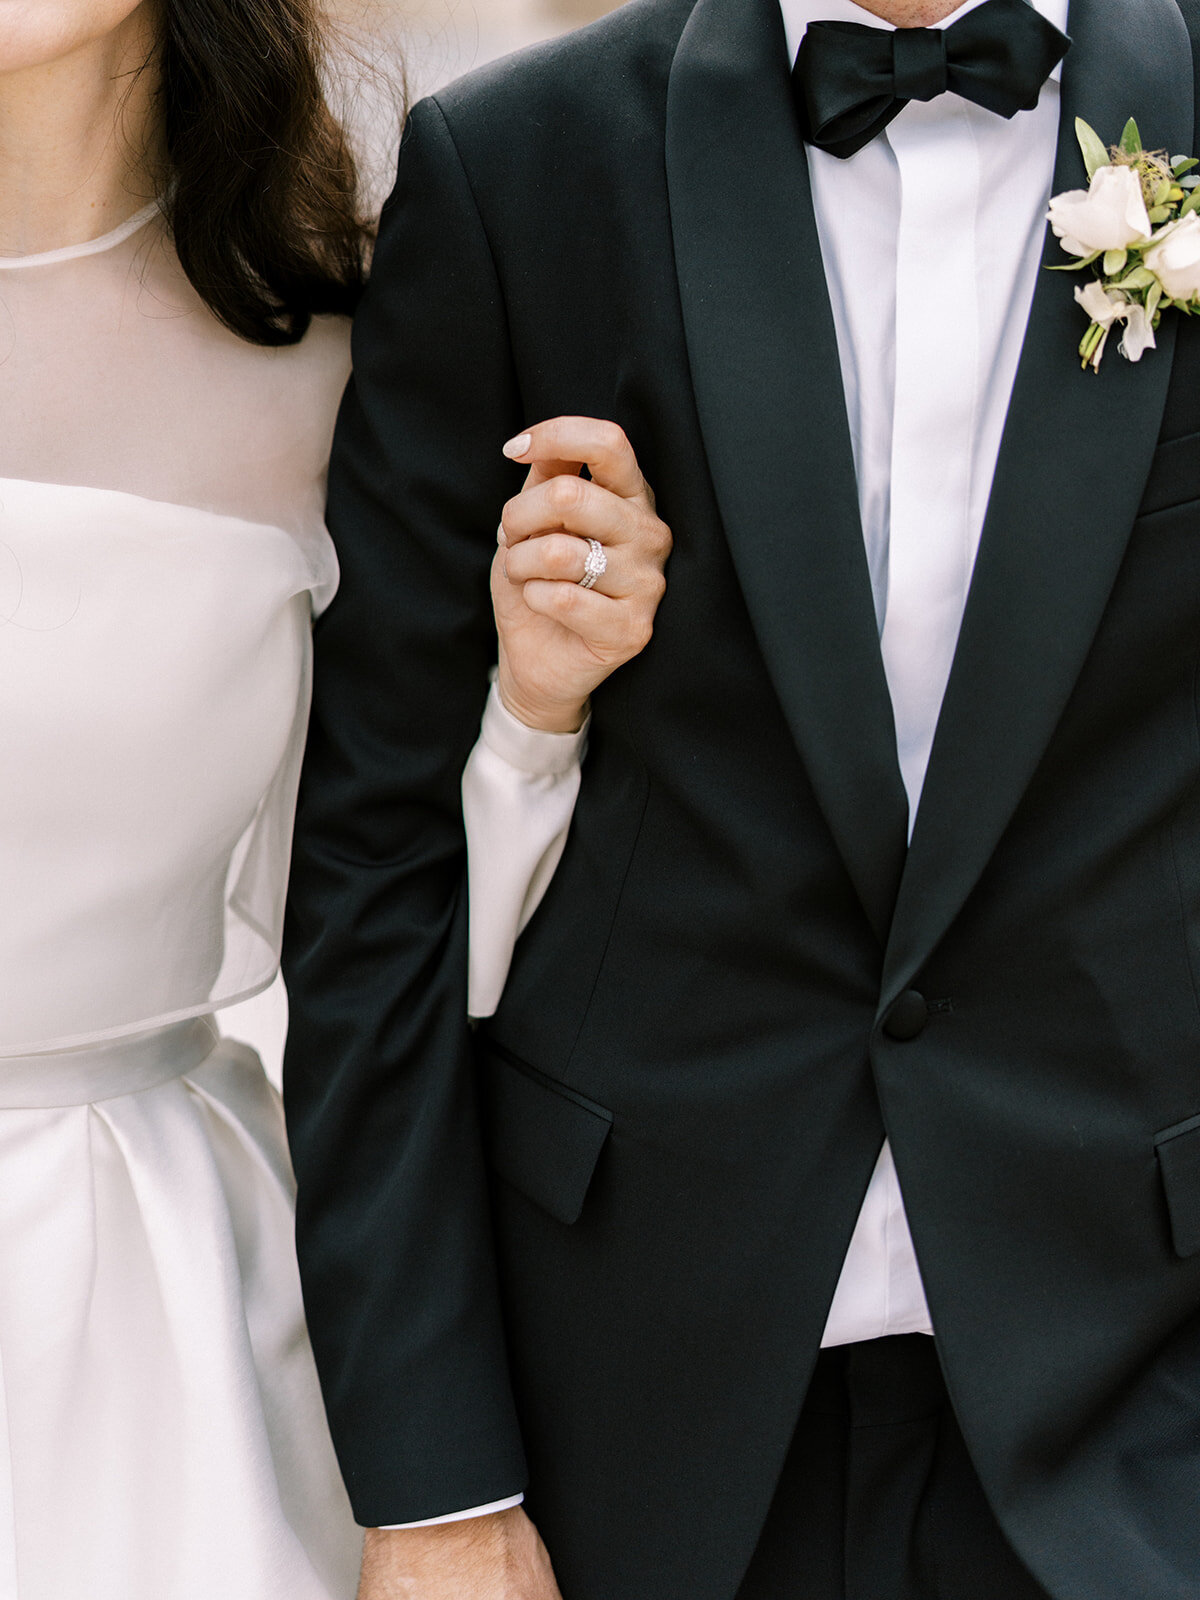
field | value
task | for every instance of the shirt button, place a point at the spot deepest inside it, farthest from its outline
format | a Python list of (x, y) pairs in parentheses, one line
[(906, 1017)]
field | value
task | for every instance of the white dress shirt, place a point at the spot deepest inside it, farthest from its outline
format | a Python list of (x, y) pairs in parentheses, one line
[(932, 242)]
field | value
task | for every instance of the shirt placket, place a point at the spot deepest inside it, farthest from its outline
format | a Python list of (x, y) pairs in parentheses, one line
[(938, 337)]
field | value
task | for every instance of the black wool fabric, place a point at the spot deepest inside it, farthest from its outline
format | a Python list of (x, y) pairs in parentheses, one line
[(878, 1499)]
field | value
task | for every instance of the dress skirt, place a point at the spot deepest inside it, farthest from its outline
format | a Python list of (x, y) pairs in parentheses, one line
[(162, 1435)]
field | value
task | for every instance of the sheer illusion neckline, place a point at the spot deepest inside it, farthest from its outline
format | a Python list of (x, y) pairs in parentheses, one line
[(92, 247)]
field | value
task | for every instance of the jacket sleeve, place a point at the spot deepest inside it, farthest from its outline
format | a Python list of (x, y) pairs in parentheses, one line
[(393, 1227)]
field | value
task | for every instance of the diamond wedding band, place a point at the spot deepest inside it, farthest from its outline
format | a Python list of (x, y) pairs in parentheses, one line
[(595, 566)]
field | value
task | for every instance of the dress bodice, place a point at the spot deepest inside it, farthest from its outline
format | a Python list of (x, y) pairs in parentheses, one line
[(162, 550)]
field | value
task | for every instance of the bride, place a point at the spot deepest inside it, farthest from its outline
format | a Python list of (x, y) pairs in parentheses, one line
[(180, 248)]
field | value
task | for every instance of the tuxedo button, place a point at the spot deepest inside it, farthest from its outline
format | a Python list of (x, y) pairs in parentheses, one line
[(907, 1017)]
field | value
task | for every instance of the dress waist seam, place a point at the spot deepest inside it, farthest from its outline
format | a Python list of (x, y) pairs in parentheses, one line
[(57, 1079)]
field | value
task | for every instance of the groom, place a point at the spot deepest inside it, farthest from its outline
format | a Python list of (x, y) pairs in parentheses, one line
[(864, 1003)]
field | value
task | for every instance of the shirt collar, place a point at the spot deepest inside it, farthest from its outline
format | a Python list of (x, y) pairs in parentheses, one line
[(797, 14)]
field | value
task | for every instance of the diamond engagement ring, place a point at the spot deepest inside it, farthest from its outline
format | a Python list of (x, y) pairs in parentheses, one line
[(595, 566)]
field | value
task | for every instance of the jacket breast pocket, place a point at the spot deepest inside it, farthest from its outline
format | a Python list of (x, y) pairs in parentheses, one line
[(1179, 1162), (1174, 475), (540, 1136)]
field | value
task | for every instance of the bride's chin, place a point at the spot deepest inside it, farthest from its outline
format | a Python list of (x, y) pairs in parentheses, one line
[(39, 33)]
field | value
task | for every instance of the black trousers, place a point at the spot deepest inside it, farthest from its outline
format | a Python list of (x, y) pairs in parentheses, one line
[(878, 1498)]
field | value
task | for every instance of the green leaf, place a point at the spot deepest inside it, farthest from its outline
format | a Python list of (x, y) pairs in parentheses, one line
[(1131, 139), (1182, 164), (1095, 151), (1158, 215), (1139, 278), (1193, 204), (1189, 183), (1114, 262), (1153, 301), (1077, 263)]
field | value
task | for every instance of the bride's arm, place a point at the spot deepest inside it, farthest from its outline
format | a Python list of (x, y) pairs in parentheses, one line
[(576, 585), (519, 792)]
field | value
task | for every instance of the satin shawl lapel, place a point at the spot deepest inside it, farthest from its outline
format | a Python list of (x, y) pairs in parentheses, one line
[(767, 378), (1072, 470)]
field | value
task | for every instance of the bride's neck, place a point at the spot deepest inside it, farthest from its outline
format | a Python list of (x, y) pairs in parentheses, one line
[(78, 141)]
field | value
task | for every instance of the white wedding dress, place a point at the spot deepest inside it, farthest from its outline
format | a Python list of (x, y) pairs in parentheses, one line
[(162, 551)]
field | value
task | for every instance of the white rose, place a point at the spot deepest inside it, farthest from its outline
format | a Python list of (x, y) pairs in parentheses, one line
[(1175, 259), (1111, 215)]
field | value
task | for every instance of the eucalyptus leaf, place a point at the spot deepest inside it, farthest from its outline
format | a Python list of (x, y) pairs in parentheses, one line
[(1189, 183), (1095, 151), (1131, 139), (1182, 164)]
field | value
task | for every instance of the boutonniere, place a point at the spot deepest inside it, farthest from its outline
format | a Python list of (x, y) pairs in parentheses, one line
[(1139, 226)]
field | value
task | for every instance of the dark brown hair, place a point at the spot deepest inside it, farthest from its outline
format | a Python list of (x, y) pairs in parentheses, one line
[(261, 188)]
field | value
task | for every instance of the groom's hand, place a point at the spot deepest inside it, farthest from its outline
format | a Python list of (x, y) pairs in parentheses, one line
[(559, 640), (497, 1557)]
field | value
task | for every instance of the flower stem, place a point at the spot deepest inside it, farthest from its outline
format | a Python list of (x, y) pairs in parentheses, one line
[(1090, 340)]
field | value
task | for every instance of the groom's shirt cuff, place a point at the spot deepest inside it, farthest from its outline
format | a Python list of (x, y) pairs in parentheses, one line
[(458, 1516)]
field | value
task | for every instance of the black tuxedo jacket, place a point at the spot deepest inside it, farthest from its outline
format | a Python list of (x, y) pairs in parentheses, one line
[(604, 1233)]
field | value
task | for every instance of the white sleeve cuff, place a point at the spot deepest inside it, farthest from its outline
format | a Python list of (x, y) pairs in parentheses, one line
[(519, 792), (531, 750), (458, 1516)]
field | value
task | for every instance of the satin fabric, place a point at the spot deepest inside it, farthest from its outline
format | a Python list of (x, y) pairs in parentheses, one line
[(162, 1428), (853, 79)]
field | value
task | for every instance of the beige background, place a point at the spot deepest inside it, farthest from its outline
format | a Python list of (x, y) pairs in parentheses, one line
[(447, 37), (437, 40), (440, 39)]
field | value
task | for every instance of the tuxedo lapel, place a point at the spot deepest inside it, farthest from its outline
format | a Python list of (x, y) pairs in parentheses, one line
[(767, 378), (1072, 469)]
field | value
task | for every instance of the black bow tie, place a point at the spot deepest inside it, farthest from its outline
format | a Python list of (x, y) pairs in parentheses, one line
[(850, 80)]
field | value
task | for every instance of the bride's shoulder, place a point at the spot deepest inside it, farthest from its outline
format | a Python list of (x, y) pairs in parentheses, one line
[(289, 374), (264, 413)]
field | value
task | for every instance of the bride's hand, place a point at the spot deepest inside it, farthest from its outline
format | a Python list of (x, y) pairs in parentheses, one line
[(558, 639)]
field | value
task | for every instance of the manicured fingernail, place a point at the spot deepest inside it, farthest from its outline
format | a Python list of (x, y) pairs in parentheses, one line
[(518, 446), (501, 536)]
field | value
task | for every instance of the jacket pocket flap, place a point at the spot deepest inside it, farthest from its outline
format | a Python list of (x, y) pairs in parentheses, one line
[(542, 1137), (1179, 1161), (1174, 476)]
